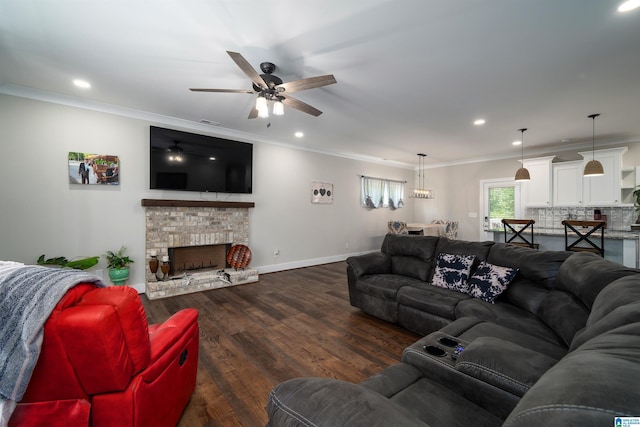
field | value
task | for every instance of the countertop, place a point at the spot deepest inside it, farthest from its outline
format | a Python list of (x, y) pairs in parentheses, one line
[(559, 232)]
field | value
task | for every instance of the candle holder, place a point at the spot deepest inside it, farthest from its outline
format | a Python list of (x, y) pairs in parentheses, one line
[(153, 266)]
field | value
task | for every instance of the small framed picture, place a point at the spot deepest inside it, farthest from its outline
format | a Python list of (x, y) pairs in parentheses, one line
[(321, 192), (88, 169)]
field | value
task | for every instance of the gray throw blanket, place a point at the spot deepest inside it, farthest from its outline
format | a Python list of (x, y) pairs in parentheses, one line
[(28, 295)]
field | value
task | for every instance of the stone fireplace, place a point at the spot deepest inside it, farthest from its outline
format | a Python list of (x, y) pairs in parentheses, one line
[(195, 236)]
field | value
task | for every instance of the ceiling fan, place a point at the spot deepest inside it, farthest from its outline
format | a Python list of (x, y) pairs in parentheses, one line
[(270, 88)]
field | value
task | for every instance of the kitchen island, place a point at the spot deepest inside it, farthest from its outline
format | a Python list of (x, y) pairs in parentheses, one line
[(621, 246)]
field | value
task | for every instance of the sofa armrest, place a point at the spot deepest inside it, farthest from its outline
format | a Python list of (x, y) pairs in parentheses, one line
[(503, 364), (373, 263), (168, 339), (330, 402)]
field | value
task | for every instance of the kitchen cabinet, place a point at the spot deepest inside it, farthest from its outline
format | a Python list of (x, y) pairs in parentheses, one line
[(537, 191), (604, 190), (567, 183)]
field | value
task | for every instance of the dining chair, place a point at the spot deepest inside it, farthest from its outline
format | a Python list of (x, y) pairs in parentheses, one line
[(521, 231), (585, 233)]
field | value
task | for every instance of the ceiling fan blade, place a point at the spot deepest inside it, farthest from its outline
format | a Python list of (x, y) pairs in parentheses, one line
[(223, 90), (302, 106), (309, 83), (247, 69), (253, 113)]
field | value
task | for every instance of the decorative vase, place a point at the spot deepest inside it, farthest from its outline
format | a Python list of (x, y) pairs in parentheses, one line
[(153, 266), (119, 275)]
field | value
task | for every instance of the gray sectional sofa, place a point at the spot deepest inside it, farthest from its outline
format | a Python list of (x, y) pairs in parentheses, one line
[(559, 347)]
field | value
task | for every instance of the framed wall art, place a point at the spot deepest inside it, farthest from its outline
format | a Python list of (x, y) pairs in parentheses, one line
[(321, 192), (88, 169)]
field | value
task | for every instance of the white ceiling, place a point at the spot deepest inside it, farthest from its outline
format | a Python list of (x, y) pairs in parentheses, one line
[(412, 74)]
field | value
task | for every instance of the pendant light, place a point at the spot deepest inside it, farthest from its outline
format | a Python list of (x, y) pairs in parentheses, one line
[(421, 192), (594, 167), (522, 174)]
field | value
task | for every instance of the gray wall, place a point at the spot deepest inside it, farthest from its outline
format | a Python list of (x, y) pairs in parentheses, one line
[(41, 213)]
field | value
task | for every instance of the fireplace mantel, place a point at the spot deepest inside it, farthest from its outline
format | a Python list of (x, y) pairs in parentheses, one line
[(194, 203)]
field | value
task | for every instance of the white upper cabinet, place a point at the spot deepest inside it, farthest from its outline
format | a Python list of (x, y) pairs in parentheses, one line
[(537, 191), (604, 190), (567, 183)]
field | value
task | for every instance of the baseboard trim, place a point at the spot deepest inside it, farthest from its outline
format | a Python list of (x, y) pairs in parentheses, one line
[(307, 262)]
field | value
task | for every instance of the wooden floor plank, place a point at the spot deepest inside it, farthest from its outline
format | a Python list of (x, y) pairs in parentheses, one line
[(290, 324)]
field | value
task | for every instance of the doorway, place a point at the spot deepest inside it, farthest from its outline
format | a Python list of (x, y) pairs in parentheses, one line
[(500, 198)]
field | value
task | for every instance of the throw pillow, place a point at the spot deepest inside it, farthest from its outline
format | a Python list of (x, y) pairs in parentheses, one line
[(489, 281), (452, 271)]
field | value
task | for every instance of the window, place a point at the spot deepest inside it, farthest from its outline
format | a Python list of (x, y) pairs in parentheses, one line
[(500, 199), (501, 205), (381, 193)]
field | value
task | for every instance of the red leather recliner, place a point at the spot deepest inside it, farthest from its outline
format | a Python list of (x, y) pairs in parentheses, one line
[(101, 364)]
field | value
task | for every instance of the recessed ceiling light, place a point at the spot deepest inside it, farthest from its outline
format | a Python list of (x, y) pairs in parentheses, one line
[(516, 143), (299, 134), (628, 5), (82, 83), (212, 158), (479, 122)]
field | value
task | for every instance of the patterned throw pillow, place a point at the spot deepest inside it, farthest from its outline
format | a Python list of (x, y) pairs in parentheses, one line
[(452, 271), (489, 281)]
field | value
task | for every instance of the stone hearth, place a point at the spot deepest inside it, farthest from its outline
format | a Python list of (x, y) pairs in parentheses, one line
[(172, 224)]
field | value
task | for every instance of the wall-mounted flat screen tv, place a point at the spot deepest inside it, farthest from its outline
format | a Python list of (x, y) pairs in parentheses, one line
[(191, 162)]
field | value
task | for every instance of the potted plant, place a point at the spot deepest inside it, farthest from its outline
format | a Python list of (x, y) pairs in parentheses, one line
[(63, 262), (118, 265)]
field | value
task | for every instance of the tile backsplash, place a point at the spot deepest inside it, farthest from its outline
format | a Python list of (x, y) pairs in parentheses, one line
[(618, 218)]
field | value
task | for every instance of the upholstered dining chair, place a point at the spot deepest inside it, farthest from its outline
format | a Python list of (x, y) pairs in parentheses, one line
[(397, 227), (450, 229)]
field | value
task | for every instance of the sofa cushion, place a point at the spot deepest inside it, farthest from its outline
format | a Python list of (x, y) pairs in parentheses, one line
[(618, 304), (384, 285), (452, 271), (585, 274), (503, 364), (539, 267), (588, 387), (470, 329), (508, 316), (489, 281), (410, 255), (525, 294), (563, 313), (410, 266), (431, 299)]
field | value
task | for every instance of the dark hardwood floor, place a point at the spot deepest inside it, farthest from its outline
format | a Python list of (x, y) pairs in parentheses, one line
[(290, 324)]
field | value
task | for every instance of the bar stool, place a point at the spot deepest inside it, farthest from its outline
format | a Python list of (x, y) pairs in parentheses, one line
[(583, 231), (519, 232)]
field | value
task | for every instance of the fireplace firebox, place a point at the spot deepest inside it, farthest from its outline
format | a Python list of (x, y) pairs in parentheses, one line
[(197, 258)]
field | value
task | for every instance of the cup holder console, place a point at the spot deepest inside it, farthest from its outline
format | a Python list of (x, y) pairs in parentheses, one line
[(444, 346), (448, 341), (434, 350)]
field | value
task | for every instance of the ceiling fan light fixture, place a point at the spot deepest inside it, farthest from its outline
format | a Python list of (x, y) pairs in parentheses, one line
[(261, 103), (522, 174), (593, 167), (278, 108)]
